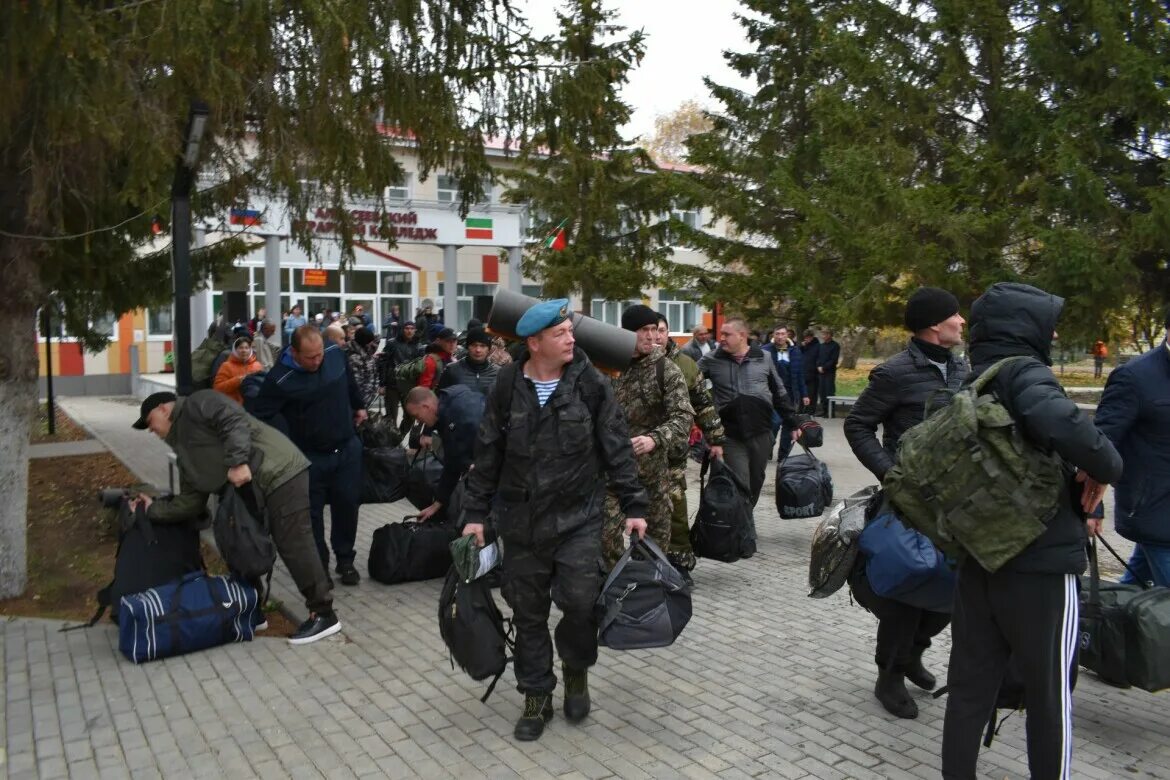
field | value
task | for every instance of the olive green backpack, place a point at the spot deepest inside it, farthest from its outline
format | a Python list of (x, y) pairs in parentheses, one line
[(969, 479)]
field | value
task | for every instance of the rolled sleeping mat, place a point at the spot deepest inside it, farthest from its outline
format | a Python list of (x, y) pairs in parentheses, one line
[(607, 346)]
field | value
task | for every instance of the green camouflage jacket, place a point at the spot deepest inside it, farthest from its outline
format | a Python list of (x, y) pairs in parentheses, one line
[(706, 416)]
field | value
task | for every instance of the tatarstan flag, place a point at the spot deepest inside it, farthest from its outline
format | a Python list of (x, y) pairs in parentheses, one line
[(478, 227), (556, 242)]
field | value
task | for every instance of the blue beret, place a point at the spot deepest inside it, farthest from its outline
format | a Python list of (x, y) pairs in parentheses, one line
[(543, 315)]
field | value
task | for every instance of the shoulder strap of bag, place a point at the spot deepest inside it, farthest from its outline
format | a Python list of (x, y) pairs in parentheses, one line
[(1093, 560), (990, 374)]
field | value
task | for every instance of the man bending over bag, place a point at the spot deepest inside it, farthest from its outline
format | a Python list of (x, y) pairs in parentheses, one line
[(214, 439)]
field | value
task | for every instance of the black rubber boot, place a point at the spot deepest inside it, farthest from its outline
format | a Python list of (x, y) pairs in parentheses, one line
[(577, 702), (891, 692), (918, 674), (538, 710)]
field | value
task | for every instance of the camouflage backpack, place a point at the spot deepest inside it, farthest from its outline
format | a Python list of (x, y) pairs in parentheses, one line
[(969, 479), (406, 375)]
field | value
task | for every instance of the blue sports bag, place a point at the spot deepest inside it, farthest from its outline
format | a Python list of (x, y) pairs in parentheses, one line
[(902, 564), (194, 613)]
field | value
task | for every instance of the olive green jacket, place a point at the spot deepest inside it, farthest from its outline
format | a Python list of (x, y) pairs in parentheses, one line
[(211, 433)]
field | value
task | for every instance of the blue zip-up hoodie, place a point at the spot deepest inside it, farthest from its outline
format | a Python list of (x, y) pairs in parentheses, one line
[(313, 408)]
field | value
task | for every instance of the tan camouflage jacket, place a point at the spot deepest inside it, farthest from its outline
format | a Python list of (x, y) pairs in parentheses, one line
[(658, 408)]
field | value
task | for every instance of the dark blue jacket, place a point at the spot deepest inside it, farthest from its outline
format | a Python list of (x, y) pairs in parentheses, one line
[(460, 412), (808, 356), (313, 408), (1135, 414), (791, 371)]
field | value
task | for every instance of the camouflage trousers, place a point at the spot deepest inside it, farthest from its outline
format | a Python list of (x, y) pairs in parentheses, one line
[(657, 521), (680, 525)]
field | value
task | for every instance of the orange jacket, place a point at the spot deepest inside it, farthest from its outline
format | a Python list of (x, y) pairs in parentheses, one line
[(232, 373), (1100, 350)]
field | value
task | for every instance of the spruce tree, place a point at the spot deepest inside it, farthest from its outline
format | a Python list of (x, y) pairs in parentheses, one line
[(576, 169), (93, 106), (889, 145)]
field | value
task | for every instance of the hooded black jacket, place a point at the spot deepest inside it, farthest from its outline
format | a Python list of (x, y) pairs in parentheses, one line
[(895, 399), (542, 471), (479, 377), (1015, 319)]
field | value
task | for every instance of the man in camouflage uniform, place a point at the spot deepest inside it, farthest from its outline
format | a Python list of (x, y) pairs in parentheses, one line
[(680, 553), (653, 393)]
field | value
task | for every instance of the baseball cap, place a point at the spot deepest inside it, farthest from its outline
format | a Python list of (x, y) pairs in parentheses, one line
[(152, 402)]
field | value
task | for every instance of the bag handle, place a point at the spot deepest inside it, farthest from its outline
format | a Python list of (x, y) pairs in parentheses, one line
[(1132, 573)]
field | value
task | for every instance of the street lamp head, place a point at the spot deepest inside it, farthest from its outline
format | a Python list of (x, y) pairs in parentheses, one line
[(196, 124)]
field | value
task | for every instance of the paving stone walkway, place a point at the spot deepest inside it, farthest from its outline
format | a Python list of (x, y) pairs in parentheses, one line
[(764, 682)]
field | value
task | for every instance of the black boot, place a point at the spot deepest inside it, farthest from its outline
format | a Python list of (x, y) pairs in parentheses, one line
[(918, 674), (891, 692), (576, 693), (538, 710)]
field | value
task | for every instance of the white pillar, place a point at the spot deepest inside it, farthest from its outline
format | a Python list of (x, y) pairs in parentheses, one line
[(450, 284), (201, 315), (515, 276), (272, 279)]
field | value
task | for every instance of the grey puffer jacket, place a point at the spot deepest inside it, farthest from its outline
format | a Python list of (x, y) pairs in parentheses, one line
[(1013, 319), (895, 399)]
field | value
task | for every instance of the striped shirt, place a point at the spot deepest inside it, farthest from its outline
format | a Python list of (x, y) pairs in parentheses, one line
[(543, 389)]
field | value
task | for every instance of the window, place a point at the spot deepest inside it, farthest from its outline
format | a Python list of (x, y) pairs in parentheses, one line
[(532, 290), (680, 310), (466, 295), (396, 283), (160, 322), (609, 312), (401, 190), (106, 325), (692, 218), (448, 187), (361, 282)]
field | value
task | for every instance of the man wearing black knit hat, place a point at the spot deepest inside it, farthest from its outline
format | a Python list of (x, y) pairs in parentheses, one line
[(653, 392), (896, 399)]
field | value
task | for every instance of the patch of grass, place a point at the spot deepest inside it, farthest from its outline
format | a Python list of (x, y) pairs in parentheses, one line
[(66, 429)]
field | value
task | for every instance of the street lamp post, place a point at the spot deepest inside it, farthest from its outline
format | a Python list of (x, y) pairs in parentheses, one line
[(184, 182)]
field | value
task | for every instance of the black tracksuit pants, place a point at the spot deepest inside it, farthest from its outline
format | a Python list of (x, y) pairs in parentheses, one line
[(1032, 619)]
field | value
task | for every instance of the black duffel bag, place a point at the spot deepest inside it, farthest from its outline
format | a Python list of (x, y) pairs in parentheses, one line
[(644, 603), (1125, 630), (804, 486), (422, 479), (409, 551), (723, 521), (384, 475), (812, 434)]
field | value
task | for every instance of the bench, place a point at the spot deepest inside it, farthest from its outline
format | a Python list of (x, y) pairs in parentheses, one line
[(833, 401)]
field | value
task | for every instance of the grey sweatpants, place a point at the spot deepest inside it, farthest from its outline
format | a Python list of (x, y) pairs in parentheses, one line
[(748, 458)]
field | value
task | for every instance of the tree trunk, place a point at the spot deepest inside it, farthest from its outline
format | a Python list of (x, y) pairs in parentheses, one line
[(852, 340), (18, 396)]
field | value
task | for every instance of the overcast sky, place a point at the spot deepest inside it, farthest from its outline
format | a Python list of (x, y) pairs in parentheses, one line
[(685, 40)]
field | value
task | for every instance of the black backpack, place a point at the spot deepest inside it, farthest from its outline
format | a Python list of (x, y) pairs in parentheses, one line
[(148, 556), (473, 628), (804, 486), (242, 535), (724, 517)]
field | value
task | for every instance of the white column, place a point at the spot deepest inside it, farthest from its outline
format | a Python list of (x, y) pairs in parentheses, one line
[(201, 315), (515, 276), (450, 284), (272, 279)]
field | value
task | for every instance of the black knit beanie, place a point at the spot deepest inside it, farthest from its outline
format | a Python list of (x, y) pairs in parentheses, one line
[(638, 316), (929, 306)]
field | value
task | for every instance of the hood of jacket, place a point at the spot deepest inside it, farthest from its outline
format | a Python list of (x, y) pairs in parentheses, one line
[(1013, 319)]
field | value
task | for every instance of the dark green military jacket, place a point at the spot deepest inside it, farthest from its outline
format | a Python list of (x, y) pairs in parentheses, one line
[(210, 433)]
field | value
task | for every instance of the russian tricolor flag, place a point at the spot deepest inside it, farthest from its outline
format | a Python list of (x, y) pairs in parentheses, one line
[(245, 217)]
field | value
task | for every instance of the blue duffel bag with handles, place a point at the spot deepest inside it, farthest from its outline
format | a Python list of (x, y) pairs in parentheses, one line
[(904, 565), (194, 613)]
